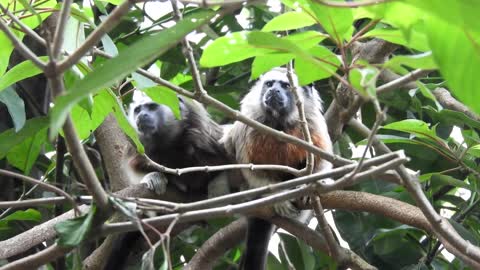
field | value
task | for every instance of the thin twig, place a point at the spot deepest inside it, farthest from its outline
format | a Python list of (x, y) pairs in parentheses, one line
[(44, 185), (409, 77), (60, 29), (23, 26), (22, 49), (310, 162), (112, 20), (80, 158), (332, 245)]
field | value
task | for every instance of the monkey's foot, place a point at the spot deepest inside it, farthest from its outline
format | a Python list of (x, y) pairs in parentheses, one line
[(156, 182), (286, 209)]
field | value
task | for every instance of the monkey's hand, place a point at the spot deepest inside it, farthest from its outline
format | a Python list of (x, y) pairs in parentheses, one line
[(156, 182), (286, 209)]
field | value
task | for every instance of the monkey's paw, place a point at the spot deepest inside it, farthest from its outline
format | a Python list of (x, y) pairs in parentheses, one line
[(286, 209), (156, 182)]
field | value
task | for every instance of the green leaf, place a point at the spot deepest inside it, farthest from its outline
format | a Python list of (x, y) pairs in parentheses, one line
[(466, 234), (452, 117), (25, 69), (337, 22), (289, 20), (24, 155), (327, 64), (72, 232), (264, 63), (230, 49), (457, 52), (448, 180), (15, 107), (23, 215), (415, 38), (364, 81), (10, 138), (163, 95), (131, 58), (423, 61), (106, 102), (413, 126)]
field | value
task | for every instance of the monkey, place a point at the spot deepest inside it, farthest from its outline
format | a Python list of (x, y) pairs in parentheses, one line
[(270, 101), (190, 141)]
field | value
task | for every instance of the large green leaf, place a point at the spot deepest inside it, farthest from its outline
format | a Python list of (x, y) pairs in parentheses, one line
[(305, 40), (72, 232), (289, 20), (309, 71), (165, 96), (25, 69), (317, 57), (15, 106), (24, 155), (131, 58), (230, 49), (457, 52), (10, 138), (413, 126), (337, 22), (422, 61), (416, 38), (23, 215)]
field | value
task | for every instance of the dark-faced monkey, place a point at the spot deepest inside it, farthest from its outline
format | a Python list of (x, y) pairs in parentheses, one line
[(271, 102)]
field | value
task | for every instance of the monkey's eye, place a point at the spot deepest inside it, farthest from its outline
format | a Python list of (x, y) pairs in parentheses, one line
[(269, 83), (285, 85), (136, 110)]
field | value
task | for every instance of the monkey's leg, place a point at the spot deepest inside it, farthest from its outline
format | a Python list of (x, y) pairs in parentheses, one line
[(259, 232)]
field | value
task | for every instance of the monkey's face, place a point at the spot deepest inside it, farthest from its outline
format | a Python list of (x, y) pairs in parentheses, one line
[(151, 118), (277, 99)]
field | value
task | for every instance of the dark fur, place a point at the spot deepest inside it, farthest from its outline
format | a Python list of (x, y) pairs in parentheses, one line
[(190, 141)]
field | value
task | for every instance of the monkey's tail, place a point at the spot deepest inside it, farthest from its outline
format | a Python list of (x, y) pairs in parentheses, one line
[(259, 232)]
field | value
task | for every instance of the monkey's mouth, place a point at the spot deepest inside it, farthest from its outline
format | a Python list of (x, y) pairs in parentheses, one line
[(145, 127)]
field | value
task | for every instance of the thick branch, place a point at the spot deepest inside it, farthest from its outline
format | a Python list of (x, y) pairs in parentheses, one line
[(449, 102)]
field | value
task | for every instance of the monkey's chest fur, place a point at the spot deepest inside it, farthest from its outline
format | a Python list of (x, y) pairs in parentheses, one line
[(266, 149)]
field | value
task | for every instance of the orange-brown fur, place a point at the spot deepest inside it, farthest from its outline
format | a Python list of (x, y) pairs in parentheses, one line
[(265, 149)]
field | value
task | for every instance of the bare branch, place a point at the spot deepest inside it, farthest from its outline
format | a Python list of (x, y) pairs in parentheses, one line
[(448, 101), (409, 77), (112, 20), (332, 245), (17, 43), (60, 29), (23, 26), (44, 185), (80, 159), (37, 259)]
